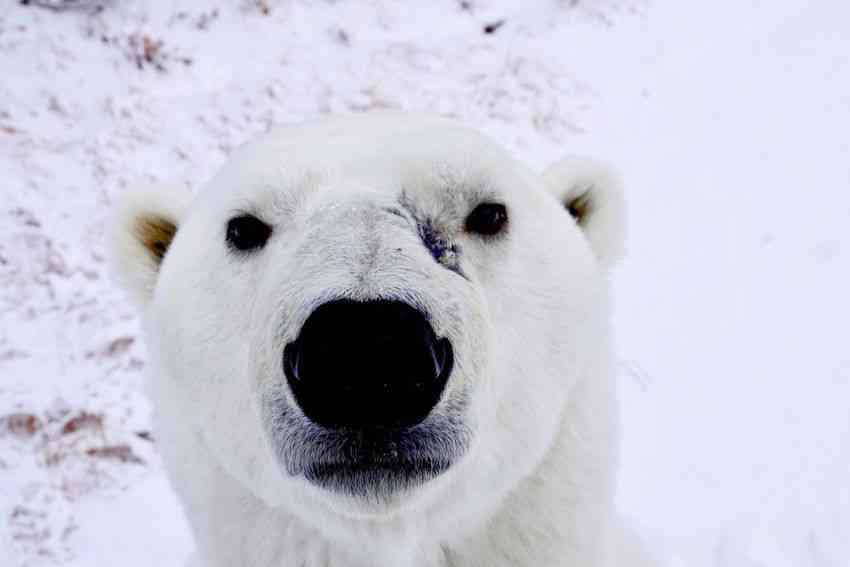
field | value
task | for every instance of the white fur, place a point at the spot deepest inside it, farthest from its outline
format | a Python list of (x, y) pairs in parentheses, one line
[(529, 323)]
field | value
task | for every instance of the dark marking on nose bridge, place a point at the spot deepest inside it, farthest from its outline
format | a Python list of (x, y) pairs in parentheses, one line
[(443, 250), (434, 241)]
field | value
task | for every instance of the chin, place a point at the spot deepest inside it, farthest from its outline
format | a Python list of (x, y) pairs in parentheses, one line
[(369, 472)]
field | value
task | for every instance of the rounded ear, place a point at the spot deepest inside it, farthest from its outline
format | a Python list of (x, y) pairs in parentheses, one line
[(591, 193), (143, 228)]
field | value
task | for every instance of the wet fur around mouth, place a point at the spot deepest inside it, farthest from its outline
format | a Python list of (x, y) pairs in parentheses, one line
[(372, 464)]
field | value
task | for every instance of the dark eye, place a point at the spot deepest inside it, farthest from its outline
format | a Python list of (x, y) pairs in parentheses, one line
[(487, 219), (247, 232)]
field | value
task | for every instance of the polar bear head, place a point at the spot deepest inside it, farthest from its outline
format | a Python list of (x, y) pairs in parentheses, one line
[(372, 316)]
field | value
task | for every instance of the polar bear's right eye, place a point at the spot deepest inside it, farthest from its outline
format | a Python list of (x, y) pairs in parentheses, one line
[(247, 232), (487, 219)]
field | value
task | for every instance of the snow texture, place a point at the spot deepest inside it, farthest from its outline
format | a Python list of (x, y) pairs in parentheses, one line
[(727, 120)]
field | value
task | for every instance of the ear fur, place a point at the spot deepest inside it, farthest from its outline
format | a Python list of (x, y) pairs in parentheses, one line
[(591, 193), (142, 230)]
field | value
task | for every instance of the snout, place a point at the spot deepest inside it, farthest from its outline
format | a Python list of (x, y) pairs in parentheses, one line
[(367, 365)]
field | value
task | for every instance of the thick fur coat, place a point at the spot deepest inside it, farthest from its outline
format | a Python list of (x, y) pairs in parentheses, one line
[(376, 207)]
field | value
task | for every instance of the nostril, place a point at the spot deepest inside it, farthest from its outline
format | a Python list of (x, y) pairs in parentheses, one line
[(367, 364)]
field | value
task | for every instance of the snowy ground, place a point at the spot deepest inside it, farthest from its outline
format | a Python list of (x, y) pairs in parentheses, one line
[(728, 120)]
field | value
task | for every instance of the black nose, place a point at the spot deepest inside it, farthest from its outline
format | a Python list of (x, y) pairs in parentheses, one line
[(367, 364)]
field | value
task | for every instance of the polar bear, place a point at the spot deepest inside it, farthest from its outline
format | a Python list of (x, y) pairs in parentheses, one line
[(381, 341)]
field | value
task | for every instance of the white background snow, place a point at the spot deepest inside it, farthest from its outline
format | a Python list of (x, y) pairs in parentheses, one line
[(729, 122)]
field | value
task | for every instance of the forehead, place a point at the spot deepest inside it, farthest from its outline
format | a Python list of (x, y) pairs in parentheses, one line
[(392, 153)]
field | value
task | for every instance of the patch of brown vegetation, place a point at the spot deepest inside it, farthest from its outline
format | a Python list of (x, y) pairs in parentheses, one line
[(147, 51), (123, 453), (83, 420), (22, 425)]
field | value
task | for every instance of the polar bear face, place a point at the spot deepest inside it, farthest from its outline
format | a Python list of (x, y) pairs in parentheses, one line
[(373, 316)]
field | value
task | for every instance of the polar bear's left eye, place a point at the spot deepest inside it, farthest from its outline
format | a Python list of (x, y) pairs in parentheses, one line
[(247, 232)]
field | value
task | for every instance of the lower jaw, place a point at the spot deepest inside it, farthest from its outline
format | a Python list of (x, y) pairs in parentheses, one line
[(373, 482)]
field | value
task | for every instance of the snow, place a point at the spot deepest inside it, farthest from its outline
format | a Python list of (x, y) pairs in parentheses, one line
[(727, 120)]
